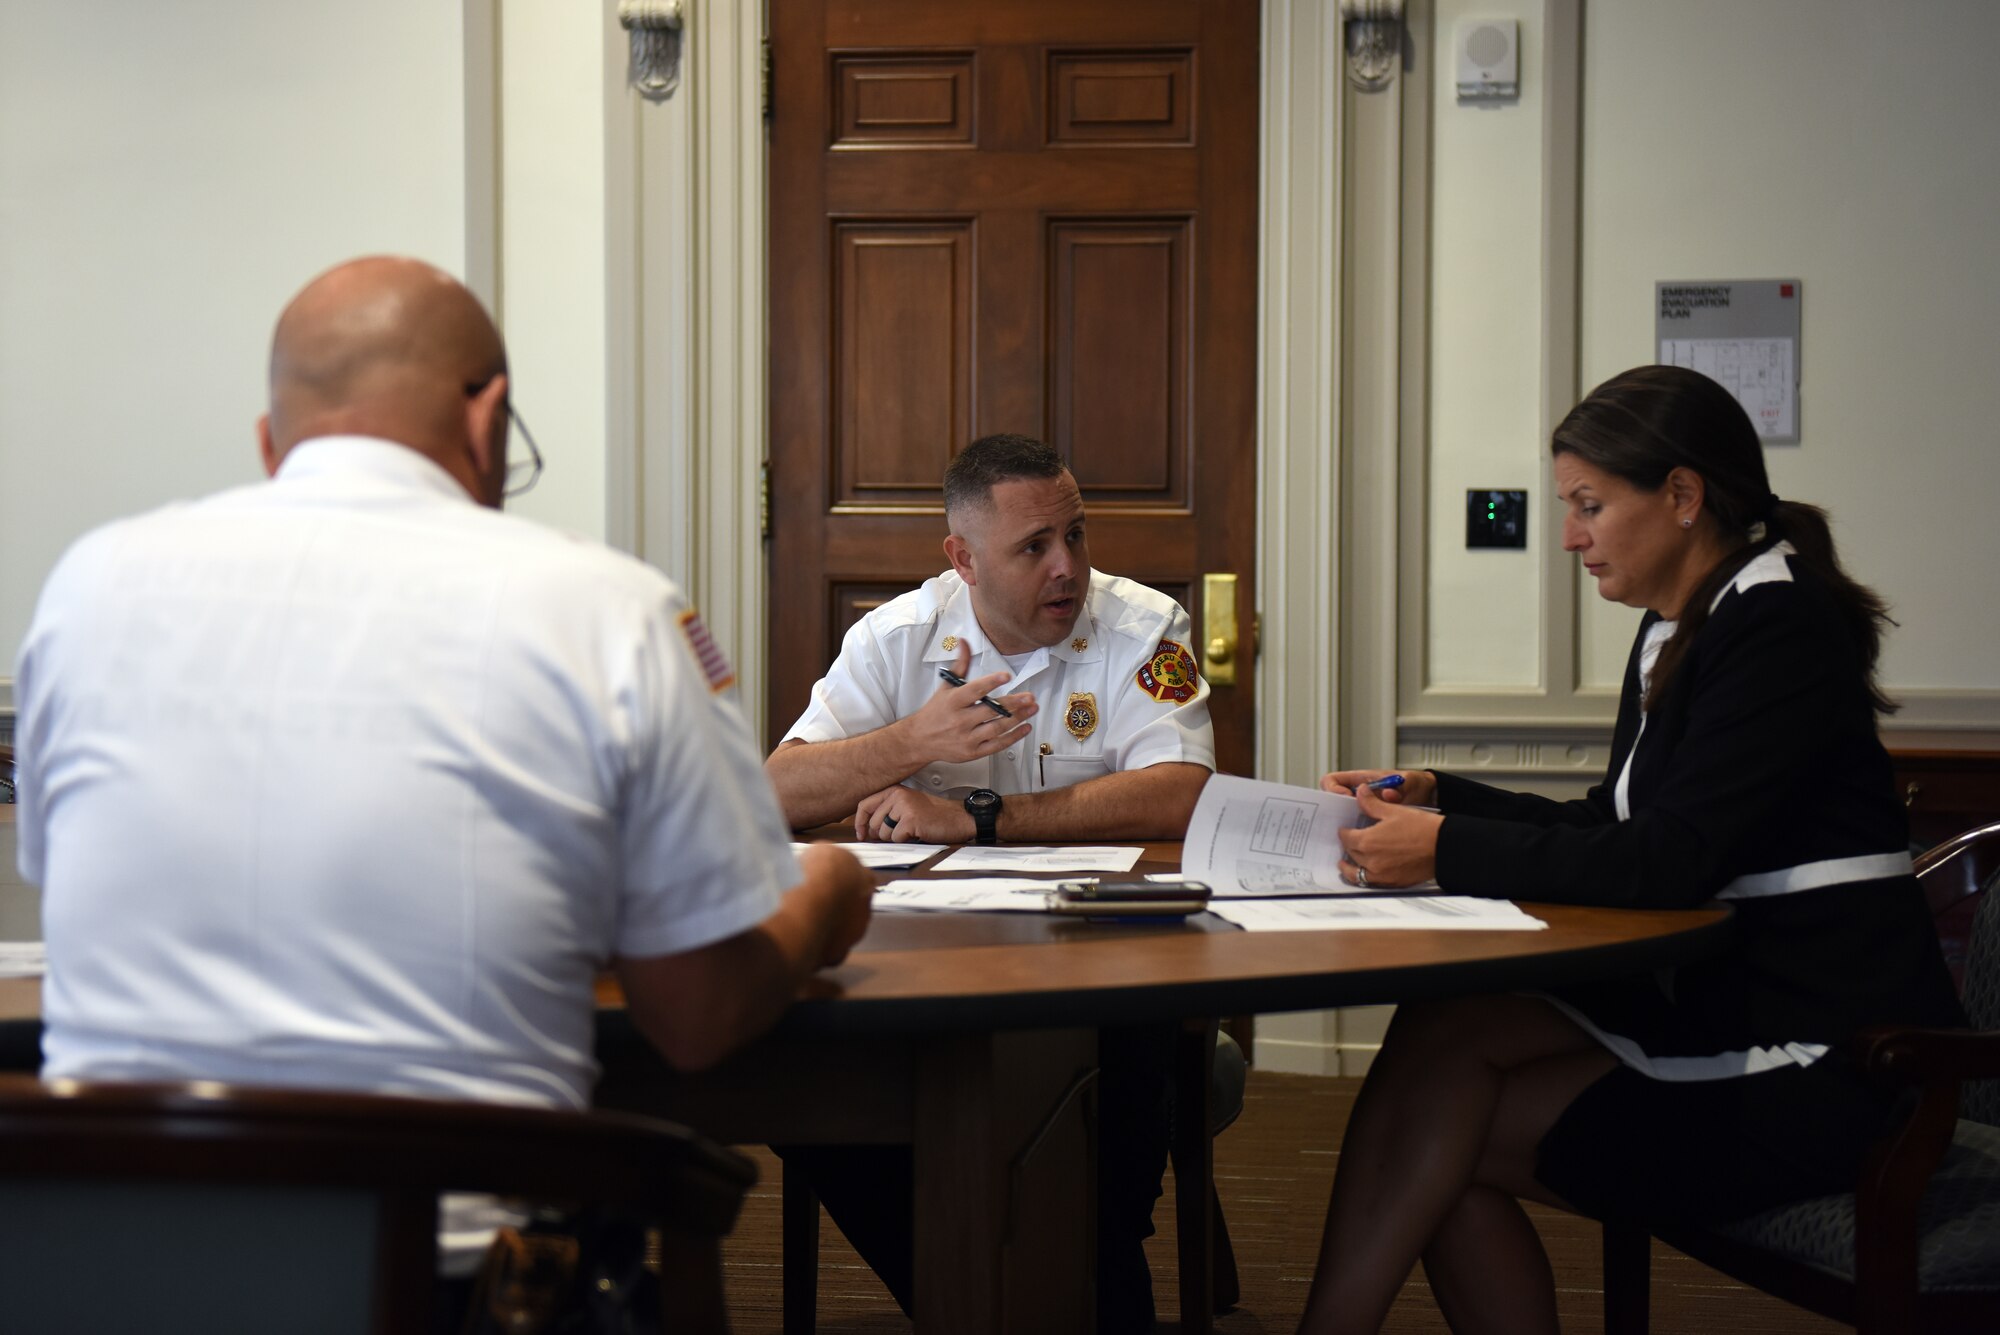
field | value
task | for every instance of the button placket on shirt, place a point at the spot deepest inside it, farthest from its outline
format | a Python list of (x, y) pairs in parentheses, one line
[(1021, 756)]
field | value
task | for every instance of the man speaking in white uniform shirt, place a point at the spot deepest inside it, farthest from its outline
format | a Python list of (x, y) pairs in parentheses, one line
[(1106, 733)]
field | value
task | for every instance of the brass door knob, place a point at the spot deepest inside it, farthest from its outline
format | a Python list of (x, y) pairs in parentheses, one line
[(1218, 615)]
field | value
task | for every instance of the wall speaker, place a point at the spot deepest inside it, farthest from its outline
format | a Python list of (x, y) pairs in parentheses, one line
[(1489, 59)]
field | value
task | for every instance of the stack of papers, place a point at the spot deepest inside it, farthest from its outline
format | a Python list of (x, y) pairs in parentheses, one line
[(968, 894), (1405, 912), (1032, 857), (1250, 839), (886, 857)]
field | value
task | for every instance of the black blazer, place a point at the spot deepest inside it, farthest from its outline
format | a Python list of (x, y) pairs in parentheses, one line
[(1757, 778)]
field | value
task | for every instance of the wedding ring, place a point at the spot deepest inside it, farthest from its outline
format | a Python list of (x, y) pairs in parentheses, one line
[(1361, 877), (889, 822)]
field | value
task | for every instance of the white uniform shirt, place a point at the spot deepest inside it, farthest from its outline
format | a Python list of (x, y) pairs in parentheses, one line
[(1120, 694), (341, 780)]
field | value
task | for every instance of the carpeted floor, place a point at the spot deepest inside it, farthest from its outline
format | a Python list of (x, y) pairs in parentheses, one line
[(1273, 1171)]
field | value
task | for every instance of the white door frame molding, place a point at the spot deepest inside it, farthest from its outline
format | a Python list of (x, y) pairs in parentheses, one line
[(1299, 420), (684, 216)]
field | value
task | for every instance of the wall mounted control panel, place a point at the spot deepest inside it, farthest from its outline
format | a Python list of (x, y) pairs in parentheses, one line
[(1496, 518)]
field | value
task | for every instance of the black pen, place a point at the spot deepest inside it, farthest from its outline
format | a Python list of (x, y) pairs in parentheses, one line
[(953, 679)]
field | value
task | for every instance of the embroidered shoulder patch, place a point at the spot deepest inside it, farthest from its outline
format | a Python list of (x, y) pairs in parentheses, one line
[(1170, 674), (713, 665)]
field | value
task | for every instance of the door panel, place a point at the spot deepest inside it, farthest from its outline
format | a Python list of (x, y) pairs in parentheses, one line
[(888, 99), (851, 602), (1139, 99), (1120, 356), (1017, 215), (903, 357)]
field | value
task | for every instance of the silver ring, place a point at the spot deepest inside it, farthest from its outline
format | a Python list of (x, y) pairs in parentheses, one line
[(1361, 877), (889, 822)]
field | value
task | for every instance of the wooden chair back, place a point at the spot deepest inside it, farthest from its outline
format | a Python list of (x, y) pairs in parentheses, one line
[(201, 1206)]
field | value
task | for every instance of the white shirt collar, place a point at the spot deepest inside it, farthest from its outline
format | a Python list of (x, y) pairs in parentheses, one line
[(958, 624), (379, 460), (1770, 566)]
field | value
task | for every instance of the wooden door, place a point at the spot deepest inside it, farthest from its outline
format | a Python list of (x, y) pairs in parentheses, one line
[(1010, 215)]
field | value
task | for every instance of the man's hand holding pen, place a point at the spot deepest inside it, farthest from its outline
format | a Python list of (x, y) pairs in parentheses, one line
[(961, 723)]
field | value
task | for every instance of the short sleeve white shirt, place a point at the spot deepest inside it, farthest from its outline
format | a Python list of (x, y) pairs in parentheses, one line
[(341, 780), (1121, 693)]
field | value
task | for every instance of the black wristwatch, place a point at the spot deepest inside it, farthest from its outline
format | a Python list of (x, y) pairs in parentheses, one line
[(983, 805)]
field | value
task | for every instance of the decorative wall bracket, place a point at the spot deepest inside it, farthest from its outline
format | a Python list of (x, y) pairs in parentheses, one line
[(655, 29), (1374, 41)]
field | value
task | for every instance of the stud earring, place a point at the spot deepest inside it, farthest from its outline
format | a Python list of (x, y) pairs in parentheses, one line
[(1687, 523)]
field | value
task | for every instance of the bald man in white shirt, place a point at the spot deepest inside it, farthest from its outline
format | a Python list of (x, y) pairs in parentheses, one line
[(348, 780)]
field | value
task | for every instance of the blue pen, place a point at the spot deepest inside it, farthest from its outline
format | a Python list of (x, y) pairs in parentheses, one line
[(1387, 781)]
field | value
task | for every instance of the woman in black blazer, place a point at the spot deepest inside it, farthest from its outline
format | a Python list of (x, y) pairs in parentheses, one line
[(1745, 767)]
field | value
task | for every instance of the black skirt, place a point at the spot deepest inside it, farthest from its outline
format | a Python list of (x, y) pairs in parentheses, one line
[(1637, 1148)]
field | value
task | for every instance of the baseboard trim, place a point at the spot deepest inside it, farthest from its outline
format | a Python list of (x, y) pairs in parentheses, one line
[(1294, 1057), (1934, 717)]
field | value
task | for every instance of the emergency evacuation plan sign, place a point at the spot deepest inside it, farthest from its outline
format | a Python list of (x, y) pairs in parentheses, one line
[(1744, 335)]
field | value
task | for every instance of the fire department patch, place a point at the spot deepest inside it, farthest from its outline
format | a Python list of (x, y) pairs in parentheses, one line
[(713, 665), (1170, 675), (1081, 716)]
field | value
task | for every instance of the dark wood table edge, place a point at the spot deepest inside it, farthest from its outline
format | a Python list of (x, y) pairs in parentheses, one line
[(1264, 994)]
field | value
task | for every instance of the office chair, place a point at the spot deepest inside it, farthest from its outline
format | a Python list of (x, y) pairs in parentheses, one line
[(1916, 1246), (206, 1207)]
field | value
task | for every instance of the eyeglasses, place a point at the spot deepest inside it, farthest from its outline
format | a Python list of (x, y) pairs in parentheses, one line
[(522, 474)]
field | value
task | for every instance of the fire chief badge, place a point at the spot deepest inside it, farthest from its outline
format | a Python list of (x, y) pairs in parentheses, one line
[(1081, 716), (1169, 675)]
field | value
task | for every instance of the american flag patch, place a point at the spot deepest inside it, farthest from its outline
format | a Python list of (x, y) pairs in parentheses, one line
[(713, 665)]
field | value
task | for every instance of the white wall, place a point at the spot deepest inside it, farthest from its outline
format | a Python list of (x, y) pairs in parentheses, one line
[(1854, 146), (1484, 626), (1845, 143), (166, 186), (552, 239), (169, 175)]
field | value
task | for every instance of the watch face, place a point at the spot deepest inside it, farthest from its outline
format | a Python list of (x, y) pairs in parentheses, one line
[(983, 805)]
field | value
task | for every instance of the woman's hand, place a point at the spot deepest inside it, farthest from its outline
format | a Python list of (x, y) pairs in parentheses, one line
[(1419, 785), (1399, 849)]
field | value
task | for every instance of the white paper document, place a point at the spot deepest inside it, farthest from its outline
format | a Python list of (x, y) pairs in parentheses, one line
[(1250, 838), (23, 959), (1423, 913), (1030, 857), (885, 857), (967, 894)]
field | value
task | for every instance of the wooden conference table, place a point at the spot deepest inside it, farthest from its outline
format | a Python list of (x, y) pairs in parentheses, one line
[(972, 1038)]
